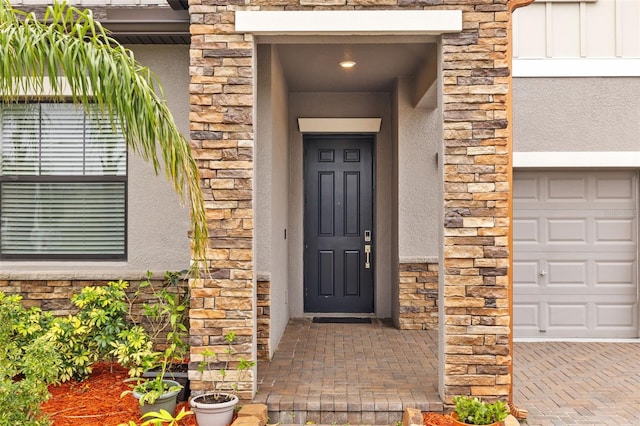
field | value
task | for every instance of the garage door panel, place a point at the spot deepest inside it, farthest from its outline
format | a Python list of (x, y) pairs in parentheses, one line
[(617, 315), (614, 188), (561, 188), (573, 315), (526, 231), (567, 230), (620, 274), (525, 188), (567, 274), (575, 254), (615, 230), (526, 316), (525, 273)]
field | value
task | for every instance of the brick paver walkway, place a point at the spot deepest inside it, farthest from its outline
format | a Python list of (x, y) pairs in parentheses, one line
[(368, 373), (571, 383), (348, 373)]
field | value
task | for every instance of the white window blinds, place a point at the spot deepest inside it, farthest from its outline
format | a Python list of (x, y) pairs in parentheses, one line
[(62, 184)]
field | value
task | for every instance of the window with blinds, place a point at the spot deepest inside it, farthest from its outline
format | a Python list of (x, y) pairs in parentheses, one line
[(63, 183)]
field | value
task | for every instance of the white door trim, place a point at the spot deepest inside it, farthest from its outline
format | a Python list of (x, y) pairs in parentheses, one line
[(591, 159)]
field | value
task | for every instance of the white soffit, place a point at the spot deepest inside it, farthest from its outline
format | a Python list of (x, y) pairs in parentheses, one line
[(581, 67), (306, 22), (591, 159), (339, 125)]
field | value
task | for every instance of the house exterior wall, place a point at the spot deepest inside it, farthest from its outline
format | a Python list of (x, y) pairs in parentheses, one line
[(578, 29), (475, 350), (593, 114), (149, 247), (588, 52), (272, 193), (418, 204)]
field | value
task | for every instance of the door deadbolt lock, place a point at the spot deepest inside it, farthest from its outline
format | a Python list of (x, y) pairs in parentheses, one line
[(367, 235)]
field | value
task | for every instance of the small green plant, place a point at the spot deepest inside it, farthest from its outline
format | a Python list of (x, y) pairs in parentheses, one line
[(474, 411), (162, 418), (217, 369), (164, 312)]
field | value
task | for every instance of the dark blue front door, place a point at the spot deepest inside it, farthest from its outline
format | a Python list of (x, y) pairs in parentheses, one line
[(338, 223)]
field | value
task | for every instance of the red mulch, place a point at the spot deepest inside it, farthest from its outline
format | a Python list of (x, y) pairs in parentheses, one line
[(435, 419), (96, 401)]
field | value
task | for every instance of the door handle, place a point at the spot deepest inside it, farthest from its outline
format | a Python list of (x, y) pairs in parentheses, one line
[(367, 251)]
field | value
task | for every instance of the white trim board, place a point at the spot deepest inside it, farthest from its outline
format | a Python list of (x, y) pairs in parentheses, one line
[(307, 22), (578, 67), (339, 125), (592, 159)]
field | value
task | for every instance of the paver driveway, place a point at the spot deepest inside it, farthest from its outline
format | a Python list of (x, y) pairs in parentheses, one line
[(575, 383)]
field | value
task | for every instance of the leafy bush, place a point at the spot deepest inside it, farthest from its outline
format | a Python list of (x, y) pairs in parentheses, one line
[(28, 363), (473, 411)]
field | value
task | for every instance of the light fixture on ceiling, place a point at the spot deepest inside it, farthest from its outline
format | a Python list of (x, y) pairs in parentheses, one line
[(347, 64)]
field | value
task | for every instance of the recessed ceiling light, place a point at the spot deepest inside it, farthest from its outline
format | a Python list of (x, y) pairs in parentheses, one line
[(347, 64)]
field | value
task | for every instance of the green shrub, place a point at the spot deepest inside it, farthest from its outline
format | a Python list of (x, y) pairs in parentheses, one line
[(477, 412), (28, 363)]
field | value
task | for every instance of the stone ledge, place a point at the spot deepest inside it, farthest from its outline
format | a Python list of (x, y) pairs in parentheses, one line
[(251, 415)]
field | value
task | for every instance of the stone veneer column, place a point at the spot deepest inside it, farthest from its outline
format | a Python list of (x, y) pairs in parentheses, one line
[(475, 352), (221, 128)]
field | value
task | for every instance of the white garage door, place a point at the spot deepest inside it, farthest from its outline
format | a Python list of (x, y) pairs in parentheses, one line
[(575, 254)]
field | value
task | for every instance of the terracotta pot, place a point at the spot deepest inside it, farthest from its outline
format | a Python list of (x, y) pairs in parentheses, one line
[(456, 422)]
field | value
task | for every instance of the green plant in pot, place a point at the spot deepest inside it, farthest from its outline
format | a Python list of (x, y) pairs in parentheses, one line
[(164, 311), (158, 393), (215, 407), (473, 411)]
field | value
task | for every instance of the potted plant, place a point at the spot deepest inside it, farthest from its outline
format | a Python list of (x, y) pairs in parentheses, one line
[(215, 407), (473, 411), (165, 313), (158, 393)]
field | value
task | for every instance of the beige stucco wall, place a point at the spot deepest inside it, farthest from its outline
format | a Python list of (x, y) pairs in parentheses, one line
[(418, 188), (576, 114), (343, 105), (153, 206), (272, 186)]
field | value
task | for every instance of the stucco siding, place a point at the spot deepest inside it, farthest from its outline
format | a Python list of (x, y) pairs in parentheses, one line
[(418, 141), (576, 114), (272, 187)]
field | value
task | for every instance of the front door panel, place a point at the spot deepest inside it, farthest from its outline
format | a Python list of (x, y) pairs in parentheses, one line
[(338, 182)]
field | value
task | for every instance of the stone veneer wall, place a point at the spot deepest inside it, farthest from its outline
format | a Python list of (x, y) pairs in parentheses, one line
[(475, 352), (264, 320), (55, 295), (418, 288)]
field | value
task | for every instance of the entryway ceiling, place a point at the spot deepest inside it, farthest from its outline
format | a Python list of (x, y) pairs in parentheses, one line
[(315, 67)]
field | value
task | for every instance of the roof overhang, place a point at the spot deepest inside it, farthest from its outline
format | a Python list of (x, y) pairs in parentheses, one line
[(148, 25)]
